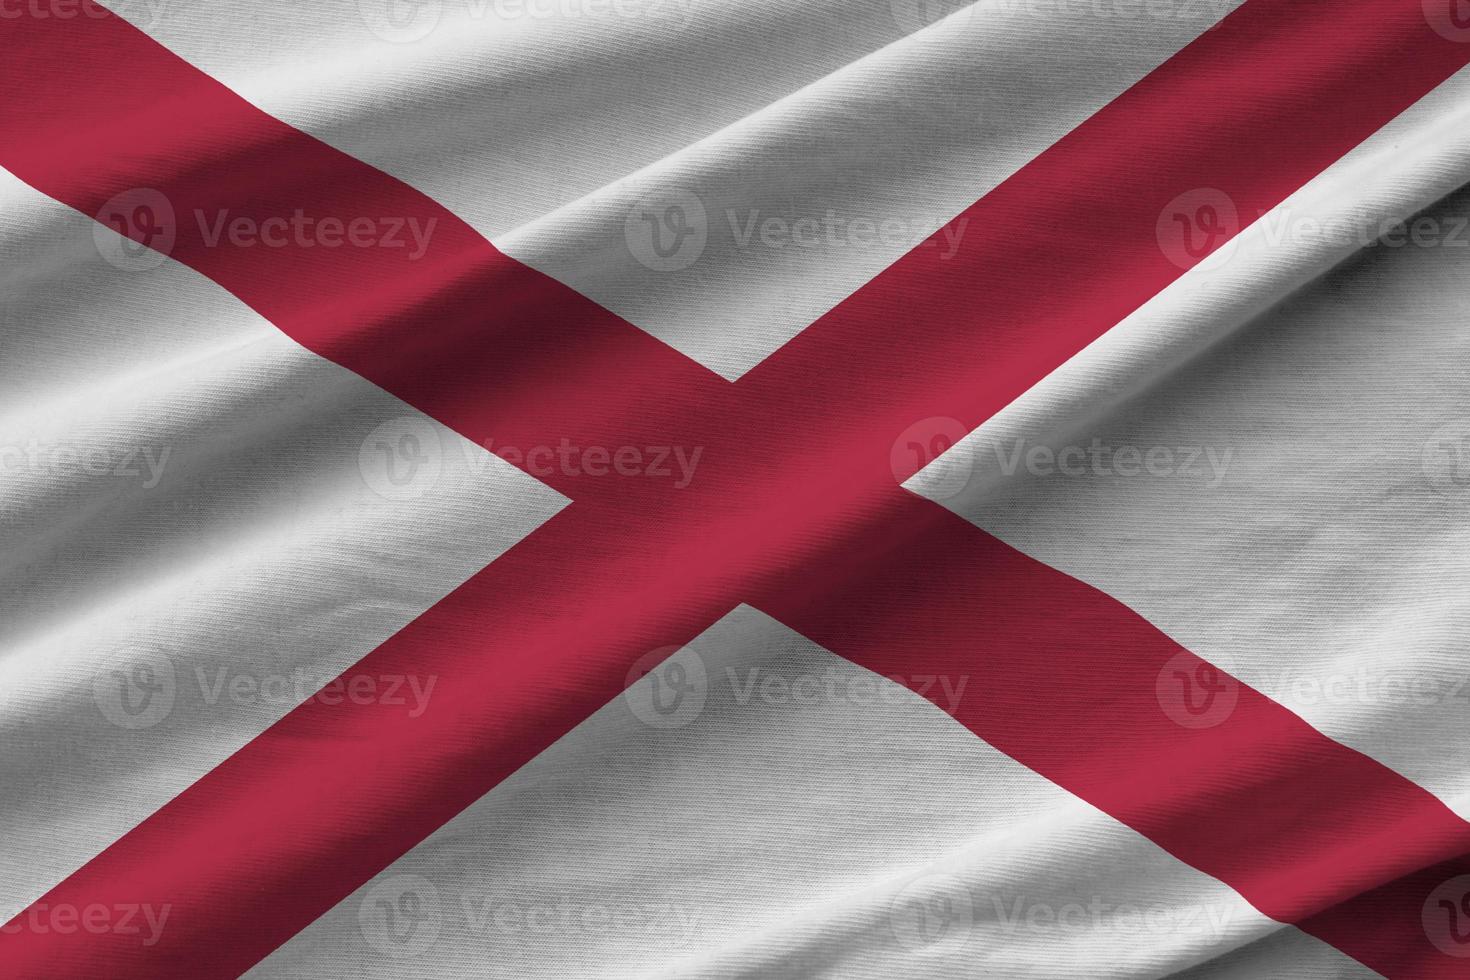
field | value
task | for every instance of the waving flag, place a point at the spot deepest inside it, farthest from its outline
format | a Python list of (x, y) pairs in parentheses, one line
[(683, 488)]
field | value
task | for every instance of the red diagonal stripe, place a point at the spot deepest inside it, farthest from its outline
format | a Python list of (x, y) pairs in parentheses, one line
[(1064, 680), (463, 333), (1067, 247), (797, 482)]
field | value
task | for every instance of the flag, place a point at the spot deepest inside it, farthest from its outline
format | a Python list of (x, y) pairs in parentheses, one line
[(673, 488)]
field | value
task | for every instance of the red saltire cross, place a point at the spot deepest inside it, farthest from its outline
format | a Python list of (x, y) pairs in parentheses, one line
[(795, 509)]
